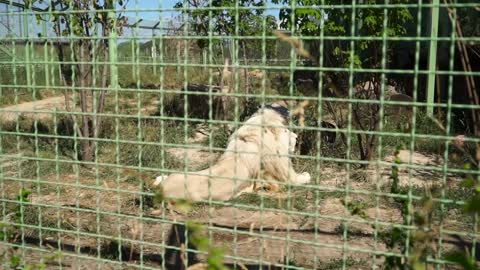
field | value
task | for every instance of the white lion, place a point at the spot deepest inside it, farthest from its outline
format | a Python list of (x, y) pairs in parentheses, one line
[(258, 149)]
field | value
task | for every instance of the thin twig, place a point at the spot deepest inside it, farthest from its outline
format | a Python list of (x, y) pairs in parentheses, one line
[(300, 111), (295, 43)]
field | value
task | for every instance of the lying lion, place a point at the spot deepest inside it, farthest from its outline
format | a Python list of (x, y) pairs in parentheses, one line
[(258, 149)]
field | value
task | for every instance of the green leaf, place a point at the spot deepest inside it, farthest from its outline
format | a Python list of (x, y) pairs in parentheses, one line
[(462, 259), (370, 21), (158, 197), (41, 266), (15, 261), (215, 259), (306, 11), (4, 232), (27, 3), (193, 226), (468, 183), (39, 18), (182, 205), (337, 51), (23, 195), (472, 205)]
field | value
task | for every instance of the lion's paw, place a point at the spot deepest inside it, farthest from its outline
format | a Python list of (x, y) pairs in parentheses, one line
[(304, 178), (159, 179)]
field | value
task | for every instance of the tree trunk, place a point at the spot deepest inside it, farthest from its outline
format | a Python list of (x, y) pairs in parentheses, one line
[(223, 100), (87, 147), (80, 25), (101, 103), (360, 146), (247, 83)]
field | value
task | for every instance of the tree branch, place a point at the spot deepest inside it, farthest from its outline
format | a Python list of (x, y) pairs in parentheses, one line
[(471, 88)]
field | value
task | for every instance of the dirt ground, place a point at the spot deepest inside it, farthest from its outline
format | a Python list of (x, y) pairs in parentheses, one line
[(105, 220), (39, 110)]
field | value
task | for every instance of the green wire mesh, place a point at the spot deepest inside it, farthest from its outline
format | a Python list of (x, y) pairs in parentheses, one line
[(98, 98)]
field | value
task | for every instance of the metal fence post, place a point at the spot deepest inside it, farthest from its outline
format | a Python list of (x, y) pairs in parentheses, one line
[(112, 45), (432, 59)]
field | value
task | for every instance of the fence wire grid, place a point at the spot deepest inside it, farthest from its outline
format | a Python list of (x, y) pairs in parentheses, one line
[(148, 134)]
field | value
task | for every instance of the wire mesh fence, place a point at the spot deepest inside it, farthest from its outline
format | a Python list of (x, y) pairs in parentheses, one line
[(239, 134)]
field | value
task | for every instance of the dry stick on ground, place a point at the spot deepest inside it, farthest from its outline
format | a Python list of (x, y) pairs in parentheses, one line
[(198, 266), (135, 231)]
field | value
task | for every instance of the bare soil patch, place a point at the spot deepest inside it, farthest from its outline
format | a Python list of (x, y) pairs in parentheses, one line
[(37, 110)]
